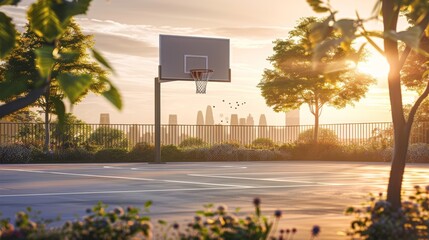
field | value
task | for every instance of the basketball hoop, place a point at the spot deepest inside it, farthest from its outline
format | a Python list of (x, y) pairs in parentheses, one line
[(201, 77)]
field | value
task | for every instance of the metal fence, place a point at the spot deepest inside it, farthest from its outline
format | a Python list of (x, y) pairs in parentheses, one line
[(127, 135)]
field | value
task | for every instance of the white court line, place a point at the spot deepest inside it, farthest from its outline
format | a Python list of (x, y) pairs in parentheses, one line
[(167, 190), (261, 179), (125, 178)]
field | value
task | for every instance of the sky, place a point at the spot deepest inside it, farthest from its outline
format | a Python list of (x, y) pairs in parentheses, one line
[(127, 34)]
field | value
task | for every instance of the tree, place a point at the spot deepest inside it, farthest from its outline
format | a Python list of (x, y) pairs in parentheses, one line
[(19, 64), (72, 133), (388, 12), (48, 20), (294, 82), (108, 137)]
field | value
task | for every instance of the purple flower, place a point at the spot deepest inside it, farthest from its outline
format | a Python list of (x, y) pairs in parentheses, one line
[(278, 213), (257, 202), (315, 231)]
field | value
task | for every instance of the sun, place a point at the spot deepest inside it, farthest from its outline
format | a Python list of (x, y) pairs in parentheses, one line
[(375, 65)]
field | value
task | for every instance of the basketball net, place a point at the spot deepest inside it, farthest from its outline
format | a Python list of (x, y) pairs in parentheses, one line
[(201, 77)]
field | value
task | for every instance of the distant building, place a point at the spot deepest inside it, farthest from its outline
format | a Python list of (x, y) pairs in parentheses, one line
[(104, 118), (173, 130), (250, 121), (209, 116), (200, 127), (262, 128)]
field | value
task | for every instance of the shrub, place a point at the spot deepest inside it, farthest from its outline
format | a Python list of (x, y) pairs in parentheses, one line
[(16, 153), (192, 143), (129, 223), (377, 220), (111, 155), (418, 152), (263, 143), (108, 137), (223, 152), (142, 152), (71, 156), (325, 136), (170, 153)]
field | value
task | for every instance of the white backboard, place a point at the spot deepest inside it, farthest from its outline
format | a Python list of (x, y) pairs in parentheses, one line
[(179, 54)]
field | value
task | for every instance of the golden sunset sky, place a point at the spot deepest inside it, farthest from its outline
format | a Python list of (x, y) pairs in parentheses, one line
[(127, 33)]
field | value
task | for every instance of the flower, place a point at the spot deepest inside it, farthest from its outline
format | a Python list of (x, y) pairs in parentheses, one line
[(315, 231), (278, 213), (176, 226), (257, 202)]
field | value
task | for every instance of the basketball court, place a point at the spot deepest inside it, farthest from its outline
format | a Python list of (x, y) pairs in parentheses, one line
[(308, 193)]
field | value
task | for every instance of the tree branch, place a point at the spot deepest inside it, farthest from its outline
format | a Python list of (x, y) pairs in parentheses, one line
[(415, 107), (22, 102)]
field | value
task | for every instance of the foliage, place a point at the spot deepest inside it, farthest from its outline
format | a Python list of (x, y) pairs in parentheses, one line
[(49, 21), (111, 155), (326, 136), (192, 143), (388, 12), (70, 155), (20, 63), (108, 137), (16, 153), (379, 220), (98, 224), (72, 133), (293, 82), (142, 152), (132, 223), (170, 153), (263, 143)]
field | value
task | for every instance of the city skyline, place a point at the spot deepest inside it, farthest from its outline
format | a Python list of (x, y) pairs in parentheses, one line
[(128, 36)]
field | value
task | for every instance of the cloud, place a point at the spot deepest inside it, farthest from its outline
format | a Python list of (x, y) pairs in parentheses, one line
[(124, 45)]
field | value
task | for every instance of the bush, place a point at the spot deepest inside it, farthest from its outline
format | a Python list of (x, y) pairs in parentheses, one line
[(111, 155), (16, 153), (142, 152), (418, 152), (170, 153), (108, 137), (129, 223), (263, 143), (192, 143), (377, 220), (70, 156), (325, 136)]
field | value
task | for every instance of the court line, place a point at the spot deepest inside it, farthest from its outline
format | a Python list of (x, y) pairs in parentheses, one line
[(264, 179), (162, 190), (125, 178)]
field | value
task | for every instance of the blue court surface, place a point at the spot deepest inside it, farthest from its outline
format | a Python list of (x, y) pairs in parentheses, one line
[(307, 192)]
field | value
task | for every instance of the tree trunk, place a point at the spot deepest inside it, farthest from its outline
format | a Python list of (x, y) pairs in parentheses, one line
[(46, 146), (316, 125), (401, 134)]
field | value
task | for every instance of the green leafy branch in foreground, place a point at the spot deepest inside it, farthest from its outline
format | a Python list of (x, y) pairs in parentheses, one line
[(49, 20), (131, 223)]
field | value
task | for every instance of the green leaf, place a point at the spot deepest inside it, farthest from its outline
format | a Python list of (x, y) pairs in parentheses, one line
[(162, 222), (411, 36), (147, 204), (320, 30), (7, 35), (317, 6), (101, 60), (44, 21), (113, 96), (9, 89), (74, 85), (44, 60), (9, 2), (67, 9), (347, 27), (60, 109)]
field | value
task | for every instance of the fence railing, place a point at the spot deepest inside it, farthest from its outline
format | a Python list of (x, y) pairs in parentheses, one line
[(127, 135)]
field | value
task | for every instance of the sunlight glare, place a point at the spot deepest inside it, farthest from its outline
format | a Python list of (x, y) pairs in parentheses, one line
[(375, 66)]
